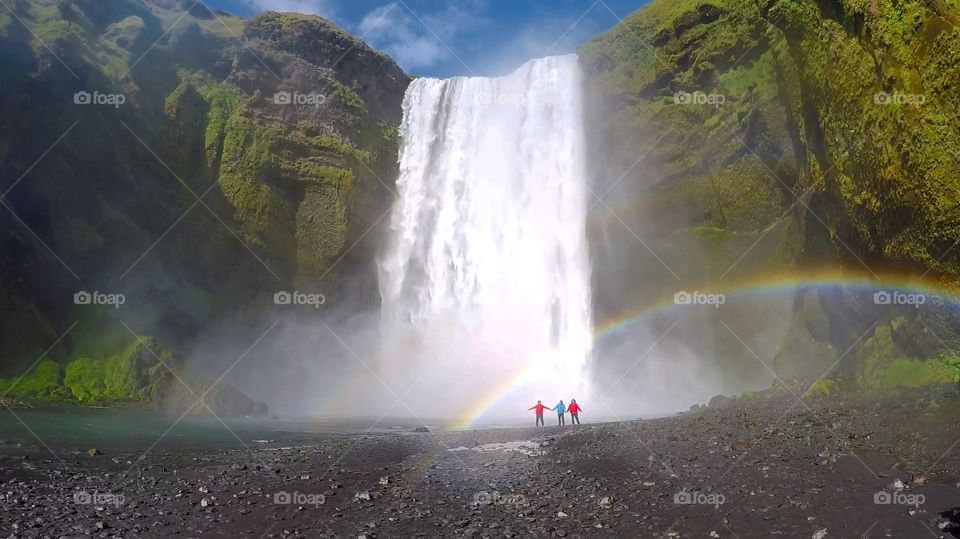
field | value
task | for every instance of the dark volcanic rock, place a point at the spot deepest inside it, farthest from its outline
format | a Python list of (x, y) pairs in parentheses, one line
[(766, 467), (177, 397)]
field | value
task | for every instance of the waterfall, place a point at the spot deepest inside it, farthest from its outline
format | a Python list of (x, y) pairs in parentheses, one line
[(485, 278)]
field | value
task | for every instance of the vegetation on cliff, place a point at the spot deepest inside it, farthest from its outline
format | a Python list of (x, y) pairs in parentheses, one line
[(784, 136), (243, 158)]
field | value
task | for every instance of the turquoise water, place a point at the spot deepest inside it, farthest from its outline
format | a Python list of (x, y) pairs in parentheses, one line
[(112, 430), (83, 428)]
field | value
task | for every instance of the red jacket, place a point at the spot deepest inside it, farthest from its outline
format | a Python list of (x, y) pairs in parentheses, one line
[(574, 408), (538, 407)]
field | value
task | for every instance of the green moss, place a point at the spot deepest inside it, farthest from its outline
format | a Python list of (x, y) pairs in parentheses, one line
[(905, 373), (953, 363), (126, 376), (822, 388), (321, 227), (291, 183), (790, 128), (43, 382), (85, 379), (108, 364), (884, 365), (390, 133), (311, 170), (249, 162), (709, 237), (277, 24), (349, 97), (222, 100), (338, 145)]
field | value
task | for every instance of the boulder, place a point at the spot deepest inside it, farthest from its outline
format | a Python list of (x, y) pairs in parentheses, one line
[(179, 396)]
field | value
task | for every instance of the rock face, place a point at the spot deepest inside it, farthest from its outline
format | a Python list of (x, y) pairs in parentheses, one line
[(243, 158), (202, 397), (751, 139)]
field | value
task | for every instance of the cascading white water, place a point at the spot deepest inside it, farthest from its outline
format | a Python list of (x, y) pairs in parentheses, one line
[(485, 281)]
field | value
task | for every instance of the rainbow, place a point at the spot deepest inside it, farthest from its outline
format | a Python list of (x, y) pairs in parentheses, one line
[(474, 413), (785, 283), (769, 285)]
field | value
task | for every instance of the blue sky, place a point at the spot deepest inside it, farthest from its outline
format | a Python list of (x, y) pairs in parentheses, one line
[(443, 38)]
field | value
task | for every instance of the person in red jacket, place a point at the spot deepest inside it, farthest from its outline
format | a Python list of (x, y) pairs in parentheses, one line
[(574, 410), (539, 407)]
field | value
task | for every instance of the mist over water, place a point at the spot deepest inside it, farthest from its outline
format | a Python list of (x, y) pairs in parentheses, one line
[(485, 282)]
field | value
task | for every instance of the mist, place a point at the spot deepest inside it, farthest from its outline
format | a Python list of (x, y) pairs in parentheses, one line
[(477, 317)]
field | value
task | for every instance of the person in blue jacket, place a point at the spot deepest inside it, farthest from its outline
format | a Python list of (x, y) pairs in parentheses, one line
[(561, 409)]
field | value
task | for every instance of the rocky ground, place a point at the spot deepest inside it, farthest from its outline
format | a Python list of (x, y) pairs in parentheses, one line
[(768, 465)]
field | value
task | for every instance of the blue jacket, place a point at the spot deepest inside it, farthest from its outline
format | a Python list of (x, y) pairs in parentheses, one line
[(560, 408)]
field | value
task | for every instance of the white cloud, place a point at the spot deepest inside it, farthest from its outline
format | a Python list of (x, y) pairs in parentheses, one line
[(419, 40), (547, 35), (313, 7)]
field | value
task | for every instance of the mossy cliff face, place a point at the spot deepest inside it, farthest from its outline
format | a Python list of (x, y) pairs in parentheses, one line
[(247, 157), (755, 138), (110, 365)]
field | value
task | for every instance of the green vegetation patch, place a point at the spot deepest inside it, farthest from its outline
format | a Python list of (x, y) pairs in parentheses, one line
[(822, 388), (43, 382), (129, 375), (906, 373)]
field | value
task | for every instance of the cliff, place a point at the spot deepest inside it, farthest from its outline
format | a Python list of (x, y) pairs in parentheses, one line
[(771, 137), (190, 161)]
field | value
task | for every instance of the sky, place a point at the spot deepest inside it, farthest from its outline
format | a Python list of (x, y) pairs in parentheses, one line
[(446, 38)]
